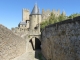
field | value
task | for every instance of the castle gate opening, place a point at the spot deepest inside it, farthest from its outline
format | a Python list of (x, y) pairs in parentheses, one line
[(35, 43)]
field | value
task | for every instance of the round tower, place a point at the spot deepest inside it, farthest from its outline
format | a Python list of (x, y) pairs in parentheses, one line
[(35, 19)]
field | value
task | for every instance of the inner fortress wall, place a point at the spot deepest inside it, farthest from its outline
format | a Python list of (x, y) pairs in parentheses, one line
[(61, 41)]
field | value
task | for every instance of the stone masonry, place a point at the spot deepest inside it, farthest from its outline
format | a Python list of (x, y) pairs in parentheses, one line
[(61, 41), (24, 25), (11, 45)]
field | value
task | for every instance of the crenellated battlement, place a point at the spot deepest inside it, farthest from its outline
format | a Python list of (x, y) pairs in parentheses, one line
[(47, 13), (25, 14), (24, 9), (27, 20)]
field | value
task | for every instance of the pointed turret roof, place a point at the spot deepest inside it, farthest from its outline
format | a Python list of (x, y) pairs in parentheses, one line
[(22, 23), (35, 10)]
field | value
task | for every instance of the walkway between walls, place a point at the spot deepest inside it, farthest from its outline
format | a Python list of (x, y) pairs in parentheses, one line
[(31, 55)]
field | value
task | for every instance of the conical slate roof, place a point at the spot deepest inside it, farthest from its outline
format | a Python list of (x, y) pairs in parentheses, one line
[(22, 23), (35, 10)]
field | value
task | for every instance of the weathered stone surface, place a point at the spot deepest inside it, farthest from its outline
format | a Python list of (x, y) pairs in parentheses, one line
[(62, 42), (11, 45)]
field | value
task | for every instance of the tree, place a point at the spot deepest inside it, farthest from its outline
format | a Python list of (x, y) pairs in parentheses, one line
[(62, 17), (74, 15), (52, 19), (43, 24)]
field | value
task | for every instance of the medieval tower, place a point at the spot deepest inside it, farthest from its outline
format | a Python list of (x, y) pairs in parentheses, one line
[(30, 26), (35, 20), (31, 21)]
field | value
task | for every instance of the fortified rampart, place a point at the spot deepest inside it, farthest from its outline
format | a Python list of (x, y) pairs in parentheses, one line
[(47, 13), (24, 25), (11, 45), (61, 41)]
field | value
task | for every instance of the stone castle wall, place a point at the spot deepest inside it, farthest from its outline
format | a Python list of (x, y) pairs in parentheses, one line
[(47, 13), (61, 41), (25, 16), (11, 45)]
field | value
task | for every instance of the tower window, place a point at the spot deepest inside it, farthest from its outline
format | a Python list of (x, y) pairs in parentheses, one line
[(35, 27)]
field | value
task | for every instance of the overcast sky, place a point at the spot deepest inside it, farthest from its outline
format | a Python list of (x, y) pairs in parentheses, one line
[(11, 10)]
